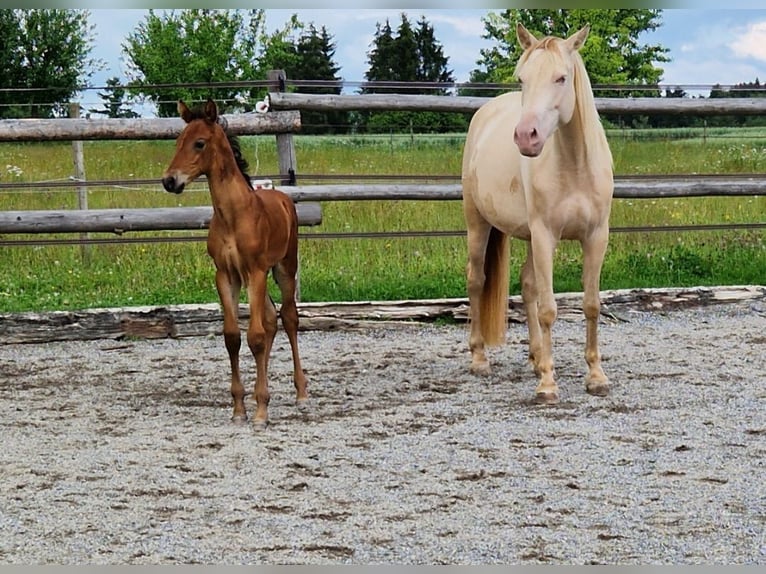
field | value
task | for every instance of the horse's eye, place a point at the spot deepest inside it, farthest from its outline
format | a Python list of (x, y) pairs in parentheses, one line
[(561, 80), (199, 145)]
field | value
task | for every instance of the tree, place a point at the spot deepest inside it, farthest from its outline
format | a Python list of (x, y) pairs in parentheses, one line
[(612, 53), (413, 55), (742, 90), (316, 50), (304, 53), (114, 101), (381, 58), (672, 120), (215, 48), (46, 60)]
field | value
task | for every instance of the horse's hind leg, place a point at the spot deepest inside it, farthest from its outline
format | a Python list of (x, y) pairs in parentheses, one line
[(596, 382), (228, 293), (478, 238), (285, 278)]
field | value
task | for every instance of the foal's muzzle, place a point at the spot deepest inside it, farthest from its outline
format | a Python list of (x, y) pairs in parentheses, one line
[(172, 185)]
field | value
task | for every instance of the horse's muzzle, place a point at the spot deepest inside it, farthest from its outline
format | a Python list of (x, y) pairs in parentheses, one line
[(172, 185)]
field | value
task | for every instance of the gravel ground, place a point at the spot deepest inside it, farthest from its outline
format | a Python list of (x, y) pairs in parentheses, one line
[(123, 452)]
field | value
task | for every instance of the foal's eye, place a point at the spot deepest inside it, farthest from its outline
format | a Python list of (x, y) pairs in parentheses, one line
[(561, 80), (199, 145)]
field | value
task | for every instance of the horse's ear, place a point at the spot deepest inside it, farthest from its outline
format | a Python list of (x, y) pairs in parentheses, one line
[(525, 37), (211, 110), (576, 40), (184, 111)]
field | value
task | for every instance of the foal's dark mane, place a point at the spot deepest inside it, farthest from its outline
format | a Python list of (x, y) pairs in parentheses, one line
[(198, 113)]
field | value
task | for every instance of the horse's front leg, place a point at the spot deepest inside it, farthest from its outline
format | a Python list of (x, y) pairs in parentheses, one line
[(259, 340), (529, 297), (594, 248), (543, 245), (228, 292)]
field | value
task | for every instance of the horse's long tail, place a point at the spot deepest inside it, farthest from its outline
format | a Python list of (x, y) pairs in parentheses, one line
[(493, 308)]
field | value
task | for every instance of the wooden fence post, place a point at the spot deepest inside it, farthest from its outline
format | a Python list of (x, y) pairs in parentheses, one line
[(78, 160), (285, 155), (285, 145)]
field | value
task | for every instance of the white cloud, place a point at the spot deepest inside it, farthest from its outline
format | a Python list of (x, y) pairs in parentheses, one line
[(752, 42)]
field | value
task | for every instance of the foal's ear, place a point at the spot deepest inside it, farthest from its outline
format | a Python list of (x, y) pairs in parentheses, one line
[(184, 111), (525, 37), (576, 40), (211, 110)]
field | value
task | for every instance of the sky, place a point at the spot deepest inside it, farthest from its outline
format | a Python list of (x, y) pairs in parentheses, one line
[(706, 46)]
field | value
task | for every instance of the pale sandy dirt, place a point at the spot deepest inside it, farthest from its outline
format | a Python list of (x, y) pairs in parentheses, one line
[(123, 452)]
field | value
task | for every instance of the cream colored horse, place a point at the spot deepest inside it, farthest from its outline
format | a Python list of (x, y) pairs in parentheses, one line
[(537, 166)]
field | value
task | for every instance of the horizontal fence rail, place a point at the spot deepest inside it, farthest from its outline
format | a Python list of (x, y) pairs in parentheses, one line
[(119, 221), (469, 104), (308, 198), (71, 129)]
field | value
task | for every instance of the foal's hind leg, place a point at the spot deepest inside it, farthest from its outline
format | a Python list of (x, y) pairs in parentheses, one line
[(228, 293), (285, 278), (270, 327), (596, 382), (258, 339)]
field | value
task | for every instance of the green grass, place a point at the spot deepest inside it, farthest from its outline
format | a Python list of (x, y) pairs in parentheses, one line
[(69, 277)]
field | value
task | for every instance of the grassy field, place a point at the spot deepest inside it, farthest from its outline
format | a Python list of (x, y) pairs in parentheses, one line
[(67, 277)]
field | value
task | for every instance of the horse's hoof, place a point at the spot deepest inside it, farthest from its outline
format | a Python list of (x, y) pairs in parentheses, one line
[(482, 369), (260, 424), (546, 397), (597, 389), (239, 419)]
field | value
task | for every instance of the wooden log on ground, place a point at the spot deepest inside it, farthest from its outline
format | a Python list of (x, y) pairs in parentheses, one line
[(205, 320)]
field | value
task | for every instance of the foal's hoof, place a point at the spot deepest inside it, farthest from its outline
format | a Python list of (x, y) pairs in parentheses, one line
[(260, 424), (239, 419), (303, 405), (546, 397), (600, 389)]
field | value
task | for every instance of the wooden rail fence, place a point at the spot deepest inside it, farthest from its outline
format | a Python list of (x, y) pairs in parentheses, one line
[(283, 120)]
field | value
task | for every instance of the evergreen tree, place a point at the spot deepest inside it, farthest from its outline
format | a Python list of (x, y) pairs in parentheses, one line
[(413, 55), (381, 59), (316, 51), (432, 66), (114, 99)]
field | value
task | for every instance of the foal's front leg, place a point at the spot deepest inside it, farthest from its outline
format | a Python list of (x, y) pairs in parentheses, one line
[(228, 292)]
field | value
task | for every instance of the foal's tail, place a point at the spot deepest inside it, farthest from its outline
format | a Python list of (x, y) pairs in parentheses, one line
[(493, 307)]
